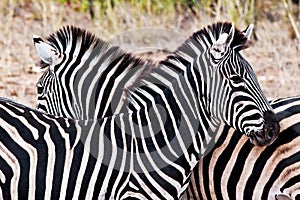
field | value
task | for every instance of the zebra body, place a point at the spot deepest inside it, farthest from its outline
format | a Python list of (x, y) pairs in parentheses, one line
[(43, 157), (235, 169), (47, 157), (206, 81)]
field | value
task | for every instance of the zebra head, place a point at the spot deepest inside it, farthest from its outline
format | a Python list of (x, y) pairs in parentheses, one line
[(233, 94), (81, 73), (63, 54)]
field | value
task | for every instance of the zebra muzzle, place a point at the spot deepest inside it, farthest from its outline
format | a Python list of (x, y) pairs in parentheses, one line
[(269, 133)]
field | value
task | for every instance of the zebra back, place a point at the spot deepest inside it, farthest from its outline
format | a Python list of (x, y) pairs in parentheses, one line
[(48, 157), (43, 156)]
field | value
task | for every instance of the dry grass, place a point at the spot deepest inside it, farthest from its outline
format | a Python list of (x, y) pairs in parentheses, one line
[(274, 55)]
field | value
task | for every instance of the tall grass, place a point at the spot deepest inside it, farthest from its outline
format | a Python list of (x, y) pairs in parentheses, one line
[(119, 15), (118, 12)]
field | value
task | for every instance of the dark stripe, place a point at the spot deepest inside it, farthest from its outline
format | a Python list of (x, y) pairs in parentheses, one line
[(8, 173), (261, 162), (283, 164), (37, 40), (238, 166)]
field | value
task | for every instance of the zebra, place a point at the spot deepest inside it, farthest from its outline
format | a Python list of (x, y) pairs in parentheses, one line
[(205, 81), (49, 157), (70, 169), (234, 169)]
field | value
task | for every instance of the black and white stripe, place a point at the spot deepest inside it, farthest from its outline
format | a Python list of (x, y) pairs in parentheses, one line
[(43, 157), (86, 78), (235, 169), (47, 157), (181, 99)]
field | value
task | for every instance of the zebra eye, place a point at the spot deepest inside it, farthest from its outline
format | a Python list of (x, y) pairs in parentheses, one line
[(40, 87), (40, 90), (236, 79)]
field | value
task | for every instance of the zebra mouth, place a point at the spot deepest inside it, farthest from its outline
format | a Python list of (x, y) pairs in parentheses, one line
[(258, 138), (269, 133)]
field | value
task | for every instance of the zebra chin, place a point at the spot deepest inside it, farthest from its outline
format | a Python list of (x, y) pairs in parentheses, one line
[(268, 134)]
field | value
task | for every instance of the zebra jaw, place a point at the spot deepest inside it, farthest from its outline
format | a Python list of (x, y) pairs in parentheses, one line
[(263, 137)]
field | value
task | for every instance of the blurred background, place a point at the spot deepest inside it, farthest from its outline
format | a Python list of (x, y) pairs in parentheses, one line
[(274, 53)]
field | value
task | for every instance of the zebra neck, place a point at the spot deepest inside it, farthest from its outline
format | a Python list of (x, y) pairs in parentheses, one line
[(101, 79), (171, 102)]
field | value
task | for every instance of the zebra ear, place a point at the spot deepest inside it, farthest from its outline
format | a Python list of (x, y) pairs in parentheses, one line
[(47, 53), (219, 47), (230, 35), (248, 31)]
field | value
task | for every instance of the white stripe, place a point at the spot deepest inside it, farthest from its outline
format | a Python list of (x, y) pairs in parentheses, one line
[(2, 177), (113, 155), (12, 161), (286, 106), (63, 76), (32, 152), (191, 129), (124, 157), (294, 190), (288, 122), (84, 161), (99, 161), (231, 163), (78, 83), (50, 158), (131, 166), (148, 176), (286, 174)]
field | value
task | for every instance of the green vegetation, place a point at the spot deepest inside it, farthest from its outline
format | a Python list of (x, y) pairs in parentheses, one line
[(117, 15), (246, 10)]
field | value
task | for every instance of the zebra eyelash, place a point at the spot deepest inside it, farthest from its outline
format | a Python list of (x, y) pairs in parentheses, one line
[(236, 79)]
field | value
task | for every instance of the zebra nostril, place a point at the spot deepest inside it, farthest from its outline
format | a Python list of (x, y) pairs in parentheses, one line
[(271, 127), (251, 133), (271, 133)]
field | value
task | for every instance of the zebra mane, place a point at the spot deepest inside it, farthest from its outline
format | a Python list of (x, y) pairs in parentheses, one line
[(71, 35), (239, 42)]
